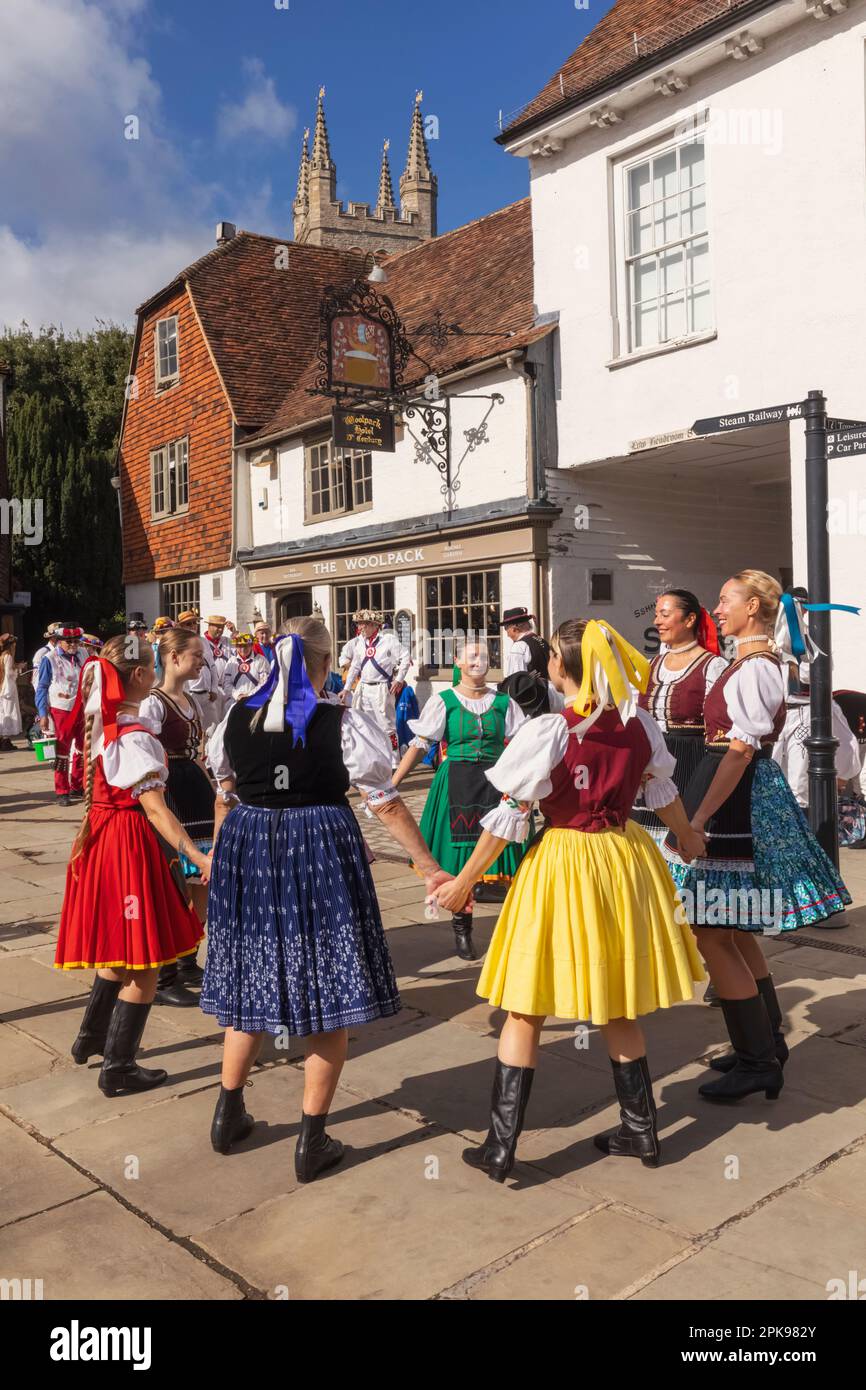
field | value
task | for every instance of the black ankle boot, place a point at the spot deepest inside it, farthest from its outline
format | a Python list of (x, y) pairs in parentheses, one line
[(231, 1122), (462, 924), (170, 989), (637, 1136), (511, 1088), (189, 972), (97, 1016), (120, 1073), (315, 1150), (756, 1067), (767, 991)]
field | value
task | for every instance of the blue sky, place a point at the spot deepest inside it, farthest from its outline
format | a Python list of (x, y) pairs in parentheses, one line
[(92, 221)]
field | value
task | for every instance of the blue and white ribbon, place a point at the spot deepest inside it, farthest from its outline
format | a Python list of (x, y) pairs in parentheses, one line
[(792, 637)]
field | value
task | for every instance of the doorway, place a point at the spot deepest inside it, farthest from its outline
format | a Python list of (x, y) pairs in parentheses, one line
[(297, 604)]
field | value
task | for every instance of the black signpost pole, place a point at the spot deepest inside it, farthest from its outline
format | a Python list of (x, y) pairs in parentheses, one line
[(823, 812)]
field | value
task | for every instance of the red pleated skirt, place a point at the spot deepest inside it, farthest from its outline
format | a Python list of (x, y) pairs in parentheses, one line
[(122, 908)]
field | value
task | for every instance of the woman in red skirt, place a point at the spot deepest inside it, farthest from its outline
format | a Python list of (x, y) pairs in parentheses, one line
[(125, 911)]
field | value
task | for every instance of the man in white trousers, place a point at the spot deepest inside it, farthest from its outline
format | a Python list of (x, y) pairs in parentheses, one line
[(379, 663)]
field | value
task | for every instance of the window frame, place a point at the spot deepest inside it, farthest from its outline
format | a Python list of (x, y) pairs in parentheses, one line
[(624, 347), (191, 596), (342, 470), (166, 512), (161, 382), (344, 616), (432, 669)]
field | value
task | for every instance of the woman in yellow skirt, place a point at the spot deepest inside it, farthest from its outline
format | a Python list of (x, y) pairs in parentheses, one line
[(592, 927)]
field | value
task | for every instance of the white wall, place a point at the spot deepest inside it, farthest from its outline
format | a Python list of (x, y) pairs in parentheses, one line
[(787, 224), (403, 488), (786, 240), (144, 598)]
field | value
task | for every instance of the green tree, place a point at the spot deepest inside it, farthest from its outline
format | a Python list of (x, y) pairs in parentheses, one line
[(65, 409)]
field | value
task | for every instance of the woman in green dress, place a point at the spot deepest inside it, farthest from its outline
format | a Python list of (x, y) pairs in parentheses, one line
[(473, 723)]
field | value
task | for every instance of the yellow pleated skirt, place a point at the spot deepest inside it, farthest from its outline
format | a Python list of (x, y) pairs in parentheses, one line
[(591, 930)]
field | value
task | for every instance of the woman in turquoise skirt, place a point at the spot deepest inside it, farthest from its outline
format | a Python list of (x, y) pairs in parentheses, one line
[(473, 722)]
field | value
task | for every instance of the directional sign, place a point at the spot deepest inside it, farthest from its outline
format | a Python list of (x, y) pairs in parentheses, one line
[(748, 419), (842, 444)]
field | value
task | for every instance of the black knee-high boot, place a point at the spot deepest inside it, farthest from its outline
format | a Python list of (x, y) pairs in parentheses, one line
[(637, 1136), (170, 989), (97, 1016), (767, 991), (756, 1067), (120, 1072), (511, 1088), (231, 1121)]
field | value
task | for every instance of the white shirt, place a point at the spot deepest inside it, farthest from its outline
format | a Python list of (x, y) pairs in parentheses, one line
[(37, 662), (366, 752), (518, 658), (390, 654), (137, 762), (523, 773), (754, 694), (429, 727), (347, 653), (237, 683)]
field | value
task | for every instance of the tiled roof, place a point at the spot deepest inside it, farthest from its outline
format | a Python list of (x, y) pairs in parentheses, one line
[(261, 317), (632, 32), (479, 276)]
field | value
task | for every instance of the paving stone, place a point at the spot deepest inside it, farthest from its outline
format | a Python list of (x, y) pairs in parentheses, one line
[(21, 1058), (70, 1099), (597, 1258), (32, 1178), (804, 1234), (95, 1249), (843, 1181), (772, 1142), (389, 1229), (715, 1276), (26, 984)]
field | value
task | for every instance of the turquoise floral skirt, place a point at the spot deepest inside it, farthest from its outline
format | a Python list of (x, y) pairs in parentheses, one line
[(764, 872)]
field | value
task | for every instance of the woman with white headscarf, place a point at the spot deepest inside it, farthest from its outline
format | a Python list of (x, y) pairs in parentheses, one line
[(296, 944)]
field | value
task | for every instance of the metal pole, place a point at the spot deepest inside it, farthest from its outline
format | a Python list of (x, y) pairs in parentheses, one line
[(821, 745)]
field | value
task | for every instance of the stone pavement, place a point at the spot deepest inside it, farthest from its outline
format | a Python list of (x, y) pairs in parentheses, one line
[(126, 1199)]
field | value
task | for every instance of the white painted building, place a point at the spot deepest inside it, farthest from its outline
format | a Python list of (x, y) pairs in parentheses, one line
[(699, 226)]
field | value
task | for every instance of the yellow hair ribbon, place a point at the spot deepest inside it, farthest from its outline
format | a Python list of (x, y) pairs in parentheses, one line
[(612, 670)]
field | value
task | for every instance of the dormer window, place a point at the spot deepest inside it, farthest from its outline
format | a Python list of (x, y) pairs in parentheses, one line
[(166, 359)]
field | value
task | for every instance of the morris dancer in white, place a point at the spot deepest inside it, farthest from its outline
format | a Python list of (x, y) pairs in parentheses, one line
[(205, 689), (380, 665), (244, 670)]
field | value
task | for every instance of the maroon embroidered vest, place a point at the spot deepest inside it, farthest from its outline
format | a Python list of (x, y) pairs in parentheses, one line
[(718, 721), (179, 736), (595, 785), (678, 704)]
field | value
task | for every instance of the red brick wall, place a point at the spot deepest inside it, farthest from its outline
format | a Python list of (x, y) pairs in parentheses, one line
[(200, 539)]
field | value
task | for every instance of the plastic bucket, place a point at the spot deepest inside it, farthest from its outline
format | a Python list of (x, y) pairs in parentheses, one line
[(45, 749)]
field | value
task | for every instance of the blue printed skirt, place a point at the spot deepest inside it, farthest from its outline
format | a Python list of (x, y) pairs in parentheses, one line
[(765, 871), (295, 938)]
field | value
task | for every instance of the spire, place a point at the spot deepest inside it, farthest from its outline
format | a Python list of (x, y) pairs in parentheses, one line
[(385, 197), (418, 159), (321, 149), (302, 197)]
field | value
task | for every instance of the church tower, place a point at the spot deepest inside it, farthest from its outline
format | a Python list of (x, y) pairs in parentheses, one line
[(320, 220)]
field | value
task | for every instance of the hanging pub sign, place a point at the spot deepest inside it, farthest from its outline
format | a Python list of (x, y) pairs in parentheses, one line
[(356, 427), (362, 346)]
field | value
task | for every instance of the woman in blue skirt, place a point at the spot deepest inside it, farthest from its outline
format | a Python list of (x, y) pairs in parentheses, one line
[(296, 943), (763, 872)]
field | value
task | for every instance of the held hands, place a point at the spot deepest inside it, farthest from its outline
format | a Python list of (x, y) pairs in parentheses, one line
[(397, 689), (453, 895), (694, 845)]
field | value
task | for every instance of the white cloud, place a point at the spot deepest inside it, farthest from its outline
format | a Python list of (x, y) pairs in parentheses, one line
[(261, 112), (72, 282), (92, 223)]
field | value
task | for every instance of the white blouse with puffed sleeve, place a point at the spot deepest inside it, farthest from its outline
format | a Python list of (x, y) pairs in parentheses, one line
[(430, 725), (754, 693), (136, 762)]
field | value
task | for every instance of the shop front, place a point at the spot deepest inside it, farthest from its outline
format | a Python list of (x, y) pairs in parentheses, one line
[(429, 588)]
